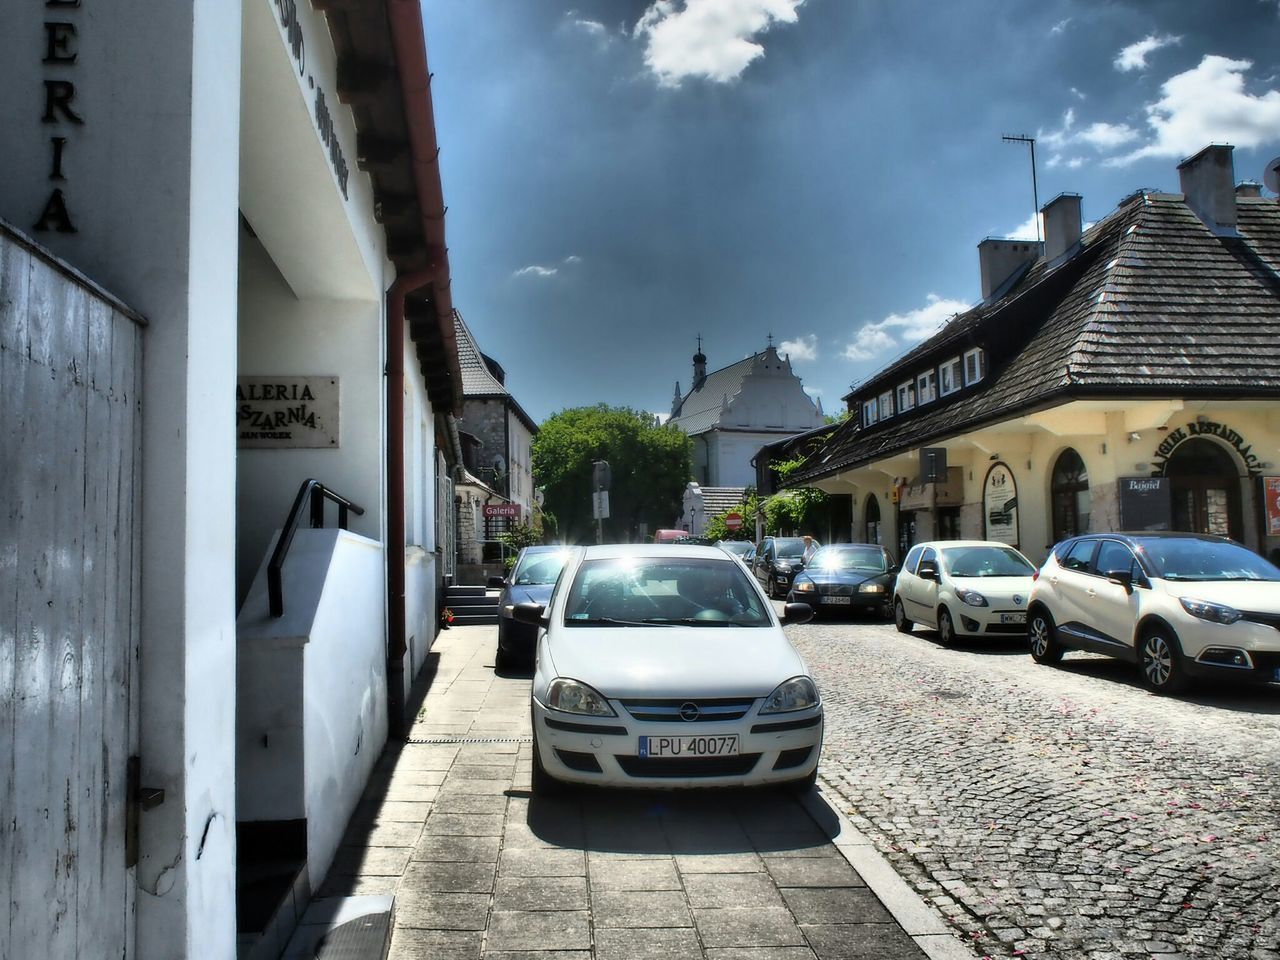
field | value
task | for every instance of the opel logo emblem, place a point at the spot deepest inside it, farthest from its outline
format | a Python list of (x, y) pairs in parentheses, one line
[(689, 711), (1017, 599)]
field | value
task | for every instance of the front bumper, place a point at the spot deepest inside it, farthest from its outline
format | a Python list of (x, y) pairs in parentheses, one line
[(772, 749), (836, 599)]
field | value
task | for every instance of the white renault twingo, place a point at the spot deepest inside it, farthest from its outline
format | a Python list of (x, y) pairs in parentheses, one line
[(963, 588)]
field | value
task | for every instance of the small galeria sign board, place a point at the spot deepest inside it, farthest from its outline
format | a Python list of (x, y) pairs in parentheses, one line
[(283, 411)]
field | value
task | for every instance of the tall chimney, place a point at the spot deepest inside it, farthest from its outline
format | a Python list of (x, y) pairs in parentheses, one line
[(1208, 182), (998, 259), (1062, 222)]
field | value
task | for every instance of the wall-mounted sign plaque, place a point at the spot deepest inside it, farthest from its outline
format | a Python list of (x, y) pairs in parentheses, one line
[(1000, 505), (279, 412)]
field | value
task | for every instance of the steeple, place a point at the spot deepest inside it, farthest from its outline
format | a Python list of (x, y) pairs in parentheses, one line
[(699, 366), (675, 401)]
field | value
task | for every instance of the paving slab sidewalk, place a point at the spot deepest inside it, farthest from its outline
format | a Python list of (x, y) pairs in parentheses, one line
[(479, 868)]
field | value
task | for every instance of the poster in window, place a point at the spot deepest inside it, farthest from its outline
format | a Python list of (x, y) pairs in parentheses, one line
[(1271, 494), (1000, 505)]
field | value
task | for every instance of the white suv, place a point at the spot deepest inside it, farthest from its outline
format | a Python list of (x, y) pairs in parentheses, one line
[(1178, 605)]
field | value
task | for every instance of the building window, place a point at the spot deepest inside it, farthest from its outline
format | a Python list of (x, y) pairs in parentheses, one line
[(869, 413), (975, 365), (949, 377), (1070, 495), (926, 387), (906, 396), (886, 405)]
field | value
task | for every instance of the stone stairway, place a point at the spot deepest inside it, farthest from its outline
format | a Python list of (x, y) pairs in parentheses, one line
[(472, 605)]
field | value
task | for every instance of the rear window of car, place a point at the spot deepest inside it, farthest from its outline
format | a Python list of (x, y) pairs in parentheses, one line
[(789, 547), (1078, 557), (651, 591), (853, 558), (986, 562), (1178, 558), (539, 568)]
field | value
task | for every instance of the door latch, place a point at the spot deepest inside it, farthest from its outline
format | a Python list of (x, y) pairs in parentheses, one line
[(137, 799)]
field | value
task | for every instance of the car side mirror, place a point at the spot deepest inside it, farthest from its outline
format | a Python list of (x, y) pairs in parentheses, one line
[(928, 570), (797, 613), (1122, 577), (498, 582), (529, 613)]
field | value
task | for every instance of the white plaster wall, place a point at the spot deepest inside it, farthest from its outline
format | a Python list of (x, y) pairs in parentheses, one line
[(731, 455)]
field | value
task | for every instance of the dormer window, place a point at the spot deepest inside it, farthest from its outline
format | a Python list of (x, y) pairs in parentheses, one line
[(886, 405), (949, 377), (906, 396), (927, 387), (869, 413), (975, 365)]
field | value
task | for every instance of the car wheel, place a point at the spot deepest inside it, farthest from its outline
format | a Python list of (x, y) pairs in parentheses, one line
[(772, 587), (544, 784), (803, 785), (1160, 660), (946, 629), (900, 618), (1042, 638), (501, 660)]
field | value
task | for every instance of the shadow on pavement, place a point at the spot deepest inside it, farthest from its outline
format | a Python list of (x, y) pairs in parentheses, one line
[(1219, 694)]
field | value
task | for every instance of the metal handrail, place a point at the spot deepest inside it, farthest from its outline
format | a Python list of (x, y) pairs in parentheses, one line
[(317, 493)]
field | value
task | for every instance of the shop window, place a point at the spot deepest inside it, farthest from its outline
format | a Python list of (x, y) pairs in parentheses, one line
[(869, 413), (886, 405), (927, 387), (949, 377), (1069, 491), (975, 365), (906, 396), (872, 519)]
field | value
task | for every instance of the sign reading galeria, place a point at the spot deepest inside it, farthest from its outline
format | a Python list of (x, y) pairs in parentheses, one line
[(510, 511), (286, 412), (1000, 505)]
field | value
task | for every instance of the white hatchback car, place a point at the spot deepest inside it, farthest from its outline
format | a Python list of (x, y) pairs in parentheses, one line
[(963, 588), (667, 667), (1179, 605)]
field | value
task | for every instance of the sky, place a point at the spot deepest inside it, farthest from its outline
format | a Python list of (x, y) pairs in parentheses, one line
[(624, 175)]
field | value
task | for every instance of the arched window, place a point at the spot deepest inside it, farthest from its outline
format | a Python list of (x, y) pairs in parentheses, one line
[(1206, 489), (872, 517), (1069, 491)]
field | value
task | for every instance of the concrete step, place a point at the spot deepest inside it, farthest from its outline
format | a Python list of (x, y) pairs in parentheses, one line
[(462, 603), (466, 590), (470, 616)]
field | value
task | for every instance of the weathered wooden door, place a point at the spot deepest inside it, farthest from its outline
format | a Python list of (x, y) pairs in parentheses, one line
[(69, 430)]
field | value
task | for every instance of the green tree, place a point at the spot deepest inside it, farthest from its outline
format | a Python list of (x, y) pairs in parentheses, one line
[(651, 465)]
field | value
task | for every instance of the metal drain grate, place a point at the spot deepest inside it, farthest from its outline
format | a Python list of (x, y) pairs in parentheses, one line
[(465, 740)]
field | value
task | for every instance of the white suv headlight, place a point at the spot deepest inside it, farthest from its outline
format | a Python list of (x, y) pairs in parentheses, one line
[(1207, 610), (570, 696), (972, 597), (798, 693)]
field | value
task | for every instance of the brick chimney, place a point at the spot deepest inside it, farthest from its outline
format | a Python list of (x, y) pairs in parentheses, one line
[(1249, 188), (998, 259), (1062, 224), (1208, 182)]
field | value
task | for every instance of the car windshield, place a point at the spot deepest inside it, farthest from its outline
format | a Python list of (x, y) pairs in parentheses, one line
[(539, 568), (1189, 558), (851, 559), (985, 561), (789, 548), (663, 591), (738, 547)]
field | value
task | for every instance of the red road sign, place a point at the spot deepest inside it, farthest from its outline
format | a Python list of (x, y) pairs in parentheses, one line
[(733, 521)]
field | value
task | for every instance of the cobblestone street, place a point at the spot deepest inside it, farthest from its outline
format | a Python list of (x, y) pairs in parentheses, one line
[(1057, 812)]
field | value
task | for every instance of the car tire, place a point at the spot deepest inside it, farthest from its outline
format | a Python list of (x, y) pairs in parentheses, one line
[(946, 628), (803, 785), (772, 587), (1160, 661), (543, 784), (900, 618), (501, 660), (1042, 638)]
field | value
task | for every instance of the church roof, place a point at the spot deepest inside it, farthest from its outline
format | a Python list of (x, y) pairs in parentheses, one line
[(700, 408)]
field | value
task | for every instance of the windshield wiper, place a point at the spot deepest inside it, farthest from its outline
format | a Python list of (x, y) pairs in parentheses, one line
[(691, 621), (606, 621)]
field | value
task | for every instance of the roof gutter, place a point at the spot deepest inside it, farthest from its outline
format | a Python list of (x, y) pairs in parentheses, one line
[(405, 19)]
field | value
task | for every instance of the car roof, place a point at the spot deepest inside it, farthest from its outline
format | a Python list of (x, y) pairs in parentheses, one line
[(1133, 537), (546, 548), (614, 551), (947, 544)]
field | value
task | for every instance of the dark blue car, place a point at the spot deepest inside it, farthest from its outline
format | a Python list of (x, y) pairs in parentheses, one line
[(530, 581)]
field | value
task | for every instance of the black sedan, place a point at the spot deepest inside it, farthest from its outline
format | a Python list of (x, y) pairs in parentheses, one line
[(845, 577), (530, 581)]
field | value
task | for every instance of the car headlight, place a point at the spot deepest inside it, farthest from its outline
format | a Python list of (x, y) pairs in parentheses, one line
[(805, 586), (571, 696), (508, 610), (972, 597), (798, 693), (1213, 612), (871, 587)]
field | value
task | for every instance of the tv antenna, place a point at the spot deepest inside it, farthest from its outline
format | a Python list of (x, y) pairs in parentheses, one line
[(1035, 193)]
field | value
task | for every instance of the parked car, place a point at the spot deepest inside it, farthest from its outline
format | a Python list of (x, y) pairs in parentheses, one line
[(667, 667), (744, 550), (1178, 605), (845, 577), (963, 588), (530, 581), (777, 560)]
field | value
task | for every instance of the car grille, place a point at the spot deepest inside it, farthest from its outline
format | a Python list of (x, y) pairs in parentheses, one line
[(692, 767), (668, 711), (1269, 619)]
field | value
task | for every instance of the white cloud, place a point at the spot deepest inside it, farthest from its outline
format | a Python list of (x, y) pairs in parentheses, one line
[(1077, 94), (711, 39), (1025, 230), (804, 347), (1102, 137), (1134, 56), (1060, 26), (572, 258), (535, 270), (593, 27), (1208, 104), (902, 329), (1107, 136)]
